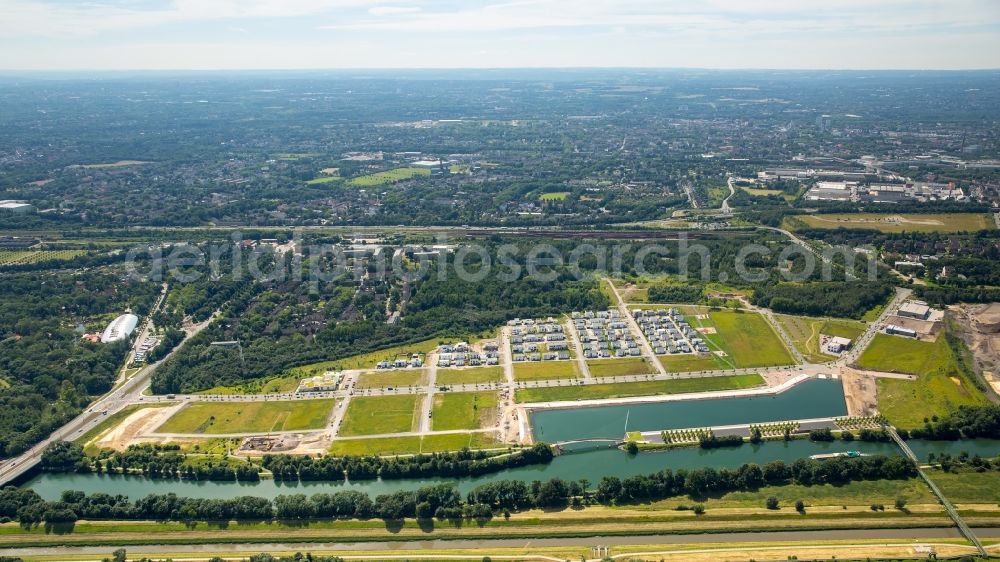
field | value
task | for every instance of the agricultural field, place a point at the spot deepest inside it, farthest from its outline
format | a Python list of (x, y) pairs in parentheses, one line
[(805, 333), (375, 415), (249, 417), (463, 410), (943, 378), (474, 375), (949, 222), (644, 388), (746, 338), (23, 257), (545, 370), (554, 196), (392, 378), (619, 367), (387, 177), (413, 444)]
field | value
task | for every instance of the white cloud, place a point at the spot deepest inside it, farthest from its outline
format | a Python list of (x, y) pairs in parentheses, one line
[(392, 10)]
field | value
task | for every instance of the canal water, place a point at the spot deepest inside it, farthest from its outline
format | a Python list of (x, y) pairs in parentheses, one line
[(812, 399)]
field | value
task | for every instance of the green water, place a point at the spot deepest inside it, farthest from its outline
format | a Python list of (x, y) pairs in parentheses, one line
[(815, 398), (812, 399), (591, 465)]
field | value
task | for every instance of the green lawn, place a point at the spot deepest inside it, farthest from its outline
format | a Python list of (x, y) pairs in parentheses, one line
[(805, 332), (463, 410), (475, 375), (645, 388), (388, 176), (941, 386), (413, 444), (392, 377), (689, 363), (747, 338), (546, 370), (375, 415), (948, 222), (249, 417), (619, 367), (968, 486)]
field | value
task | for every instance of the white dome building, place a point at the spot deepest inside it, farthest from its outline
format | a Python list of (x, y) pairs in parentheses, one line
[(120, 328)]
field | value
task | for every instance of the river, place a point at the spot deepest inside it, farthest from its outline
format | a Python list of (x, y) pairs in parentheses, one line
[(812, 399)]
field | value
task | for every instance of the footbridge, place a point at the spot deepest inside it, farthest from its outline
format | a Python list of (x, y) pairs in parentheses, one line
[(609, 441)]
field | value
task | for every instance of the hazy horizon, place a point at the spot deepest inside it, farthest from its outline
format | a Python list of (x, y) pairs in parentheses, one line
[(180, 35)]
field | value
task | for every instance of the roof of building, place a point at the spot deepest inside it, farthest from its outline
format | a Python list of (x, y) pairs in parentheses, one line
[(120, 328), (914, 308)]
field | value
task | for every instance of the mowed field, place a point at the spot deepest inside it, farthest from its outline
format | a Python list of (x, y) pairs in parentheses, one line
[(805, 333), (414, 444), (644, 388), (941, 384), (545, 370), (475, 375), (249, 417), (387, 177), (392, 378), (375, 415), (747, 339), (463, 410), (949, 222), (619, 367)]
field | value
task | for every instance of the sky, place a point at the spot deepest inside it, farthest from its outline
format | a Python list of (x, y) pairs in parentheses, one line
[(345, 34)]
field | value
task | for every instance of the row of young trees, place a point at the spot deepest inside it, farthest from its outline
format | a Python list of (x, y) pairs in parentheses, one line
[(444, 502), (167, 461)]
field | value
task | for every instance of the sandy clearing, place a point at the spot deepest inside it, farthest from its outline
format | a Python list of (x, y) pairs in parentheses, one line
[(136, 424)]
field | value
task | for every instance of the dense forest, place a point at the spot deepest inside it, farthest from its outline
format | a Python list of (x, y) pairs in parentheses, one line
[(47, 373), (839, 299)]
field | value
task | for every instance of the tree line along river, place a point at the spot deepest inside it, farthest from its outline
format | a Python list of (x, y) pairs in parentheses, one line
[(815, 398)]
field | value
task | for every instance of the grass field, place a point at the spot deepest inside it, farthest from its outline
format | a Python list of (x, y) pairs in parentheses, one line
[(747, 339), (967, 486), (950, 222), (413, 444), (619, 367), (690, 363), (22, 257), (249, 417), (392, 377), (274, 385), (475, 375), (367, 360), (805, 332), (375, 415), (554, 196), (645, 388), (546, 370), (941, 384), (324, 179), (463, 410), (387, 177)]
